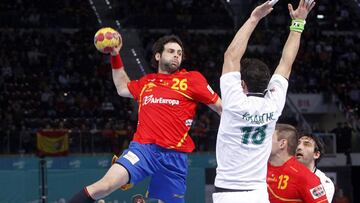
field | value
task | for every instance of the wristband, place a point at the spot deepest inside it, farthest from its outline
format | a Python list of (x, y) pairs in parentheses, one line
[(116, 62), (297, 25)]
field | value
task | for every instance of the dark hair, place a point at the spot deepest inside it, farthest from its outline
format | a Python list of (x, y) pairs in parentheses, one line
[(255, 74), (288, 132), (158, 47), (319, 145)]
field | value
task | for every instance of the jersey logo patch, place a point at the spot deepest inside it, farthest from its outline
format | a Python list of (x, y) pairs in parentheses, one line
[(188, 122), (317, 191), (153, 100), (131, 157)]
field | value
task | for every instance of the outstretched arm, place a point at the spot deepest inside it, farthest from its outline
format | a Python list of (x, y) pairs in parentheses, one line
[(292, 44), (237, 47), (120, 78), (217, 106)]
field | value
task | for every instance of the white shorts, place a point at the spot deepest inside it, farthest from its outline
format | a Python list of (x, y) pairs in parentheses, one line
[(254, 196)]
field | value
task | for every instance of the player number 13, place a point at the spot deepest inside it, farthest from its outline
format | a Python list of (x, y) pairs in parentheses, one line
[(283, 182), (179, 84)]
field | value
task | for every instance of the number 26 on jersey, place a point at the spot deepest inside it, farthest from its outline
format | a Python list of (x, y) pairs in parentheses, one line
[(179, 84)]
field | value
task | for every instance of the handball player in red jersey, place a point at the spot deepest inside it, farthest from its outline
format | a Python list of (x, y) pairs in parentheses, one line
[(289, 180), (167, 104)]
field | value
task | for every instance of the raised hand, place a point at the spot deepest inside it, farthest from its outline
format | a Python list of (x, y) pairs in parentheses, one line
[(303, 9), (115, 51), (263, 10)]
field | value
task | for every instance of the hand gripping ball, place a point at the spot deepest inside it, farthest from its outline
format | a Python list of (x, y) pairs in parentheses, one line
[(106, 39)]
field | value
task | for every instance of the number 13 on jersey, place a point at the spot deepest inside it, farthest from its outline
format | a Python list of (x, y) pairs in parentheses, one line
[(283, 182)]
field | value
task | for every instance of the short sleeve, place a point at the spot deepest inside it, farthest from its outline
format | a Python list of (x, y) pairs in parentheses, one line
[(231, 89), (135, 87), (277, 89), (312, 190), (200, 90)]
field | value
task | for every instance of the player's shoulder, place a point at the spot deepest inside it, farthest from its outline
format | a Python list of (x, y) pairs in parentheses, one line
[(322, 176), (279, 77), (307, 175), (149, 76), (319, 173), (298, 168), (190, 75), (303, 176)]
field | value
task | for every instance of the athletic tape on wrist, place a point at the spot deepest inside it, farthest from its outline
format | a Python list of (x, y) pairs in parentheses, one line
[(297, 25), (116, 62)]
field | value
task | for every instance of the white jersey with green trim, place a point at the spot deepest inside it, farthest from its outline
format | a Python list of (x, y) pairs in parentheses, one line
[(244, 138)]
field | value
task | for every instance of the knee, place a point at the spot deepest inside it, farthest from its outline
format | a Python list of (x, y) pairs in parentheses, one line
[(114, 178)]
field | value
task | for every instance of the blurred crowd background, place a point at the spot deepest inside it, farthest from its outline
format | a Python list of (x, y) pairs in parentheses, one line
[(52, 77)]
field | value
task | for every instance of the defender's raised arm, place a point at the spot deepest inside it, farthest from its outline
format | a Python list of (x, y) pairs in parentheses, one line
[(292, 44), (237, 48)]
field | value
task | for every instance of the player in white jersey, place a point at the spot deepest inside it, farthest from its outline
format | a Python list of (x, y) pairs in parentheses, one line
[(309, 152), (252, 103)]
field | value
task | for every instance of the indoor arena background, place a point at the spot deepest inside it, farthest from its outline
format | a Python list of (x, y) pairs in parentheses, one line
[(54, 81)]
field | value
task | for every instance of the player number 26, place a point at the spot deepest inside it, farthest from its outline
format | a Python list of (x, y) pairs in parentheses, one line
[(179, 84)]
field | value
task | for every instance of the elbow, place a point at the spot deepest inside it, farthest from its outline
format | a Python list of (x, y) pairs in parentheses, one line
[(217, 107), (232, 55), (287, 64), (228, 57), (122, 91), (219, 111), (228, 54), (119, 92)]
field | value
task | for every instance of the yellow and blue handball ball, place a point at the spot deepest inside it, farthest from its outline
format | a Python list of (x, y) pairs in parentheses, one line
[(106, 39)]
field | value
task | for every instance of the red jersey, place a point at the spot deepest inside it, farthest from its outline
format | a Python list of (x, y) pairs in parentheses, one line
[(167, 105), (293, 182)]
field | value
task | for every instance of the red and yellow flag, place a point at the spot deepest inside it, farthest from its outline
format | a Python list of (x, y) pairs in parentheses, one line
[(52, 142)]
